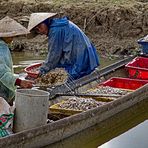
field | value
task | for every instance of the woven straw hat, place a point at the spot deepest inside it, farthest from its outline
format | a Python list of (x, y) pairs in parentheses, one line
[(37, 18), (10, 28)]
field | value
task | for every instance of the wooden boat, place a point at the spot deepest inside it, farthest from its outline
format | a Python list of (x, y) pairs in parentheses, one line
[(65, 127)]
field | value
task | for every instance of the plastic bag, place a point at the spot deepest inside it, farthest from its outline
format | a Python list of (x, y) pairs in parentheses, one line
[(6, 118), (5, 124)]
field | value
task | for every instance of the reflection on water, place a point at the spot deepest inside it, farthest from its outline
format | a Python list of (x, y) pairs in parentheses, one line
[(106, 61), (30, 62), (134, 138), (97, 135), (23, 59)]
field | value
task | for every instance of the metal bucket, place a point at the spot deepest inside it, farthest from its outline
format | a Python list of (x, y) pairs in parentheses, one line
[(31, 109)]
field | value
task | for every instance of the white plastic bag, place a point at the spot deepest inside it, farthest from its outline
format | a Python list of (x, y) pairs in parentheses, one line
[(6, 118)]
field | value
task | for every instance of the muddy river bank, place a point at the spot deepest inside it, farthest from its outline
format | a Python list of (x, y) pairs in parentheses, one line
[(113, 26)]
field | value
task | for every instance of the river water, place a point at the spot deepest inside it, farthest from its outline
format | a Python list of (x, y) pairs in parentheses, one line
[(127, 129), (23, 59)]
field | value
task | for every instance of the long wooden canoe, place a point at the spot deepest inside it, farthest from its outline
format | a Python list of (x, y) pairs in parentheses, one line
[(63, 128)]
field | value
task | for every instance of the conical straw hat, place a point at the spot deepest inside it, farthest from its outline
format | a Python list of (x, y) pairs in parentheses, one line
[(37, 18), (10, 28)]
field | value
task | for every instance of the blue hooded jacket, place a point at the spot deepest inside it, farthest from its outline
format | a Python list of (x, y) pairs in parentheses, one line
[(69, 48)]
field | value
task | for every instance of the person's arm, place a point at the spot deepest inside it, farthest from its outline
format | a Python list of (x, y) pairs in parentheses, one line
[(9, 80), (54, 52), (7, 77)]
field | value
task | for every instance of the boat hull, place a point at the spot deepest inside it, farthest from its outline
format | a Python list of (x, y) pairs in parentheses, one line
[(61, 129)]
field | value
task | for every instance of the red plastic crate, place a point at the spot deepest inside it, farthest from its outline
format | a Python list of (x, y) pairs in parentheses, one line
[(138, 68), (32, 70), (124, 83)]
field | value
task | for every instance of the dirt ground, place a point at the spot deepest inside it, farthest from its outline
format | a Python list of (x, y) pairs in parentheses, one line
[(114, 26)]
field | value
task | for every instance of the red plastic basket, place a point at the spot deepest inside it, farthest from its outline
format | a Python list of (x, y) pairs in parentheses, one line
[(32, 70), (124, 83), (138, 68)]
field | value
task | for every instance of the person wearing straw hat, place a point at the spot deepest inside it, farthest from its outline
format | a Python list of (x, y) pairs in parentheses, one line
[(68, 46), (8, 81)]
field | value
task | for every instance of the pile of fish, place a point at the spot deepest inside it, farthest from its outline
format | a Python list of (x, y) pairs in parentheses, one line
[(54, 77), (108, 90), (79, 103)]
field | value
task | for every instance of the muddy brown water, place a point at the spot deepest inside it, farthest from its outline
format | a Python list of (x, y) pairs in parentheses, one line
[(128, 128), (23, 59)]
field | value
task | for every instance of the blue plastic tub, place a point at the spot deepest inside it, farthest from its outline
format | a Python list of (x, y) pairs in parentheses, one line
[(144, 45)]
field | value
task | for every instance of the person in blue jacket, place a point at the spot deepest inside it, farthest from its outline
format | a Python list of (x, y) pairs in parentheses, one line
[(68, 46)]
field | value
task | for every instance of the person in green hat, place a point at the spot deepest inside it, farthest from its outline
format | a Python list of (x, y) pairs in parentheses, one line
[(9, 28)]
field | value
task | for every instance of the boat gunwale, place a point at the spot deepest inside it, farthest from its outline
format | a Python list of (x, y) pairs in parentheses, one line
[(29, 134)]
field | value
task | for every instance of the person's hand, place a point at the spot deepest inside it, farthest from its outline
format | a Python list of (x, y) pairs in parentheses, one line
[(26, 84), (38, 74)]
